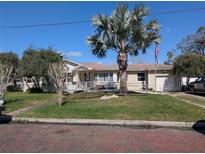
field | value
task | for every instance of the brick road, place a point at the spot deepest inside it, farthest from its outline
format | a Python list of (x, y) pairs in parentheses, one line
[(73, 138)]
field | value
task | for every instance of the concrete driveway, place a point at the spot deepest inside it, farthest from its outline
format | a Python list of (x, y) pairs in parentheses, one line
[(75, 138)]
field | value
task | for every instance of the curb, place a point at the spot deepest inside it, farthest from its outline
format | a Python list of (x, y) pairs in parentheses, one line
[(106, 122)]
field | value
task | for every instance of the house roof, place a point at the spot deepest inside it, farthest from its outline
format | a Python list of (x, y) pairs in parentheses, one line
[(131, 67), (77, 65)]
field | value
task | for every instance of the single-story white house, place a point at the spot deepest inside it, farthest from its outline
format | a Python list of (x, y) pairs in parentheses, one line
[(92, 76)]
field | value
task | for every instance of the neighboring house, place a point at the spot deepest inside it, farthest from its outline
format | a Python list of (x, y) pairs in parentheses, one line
[(184, 79), (93, 76)]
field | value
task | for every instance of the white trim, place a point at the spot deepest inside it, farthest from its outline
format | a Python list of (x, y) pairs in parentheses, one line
[(77, 63)]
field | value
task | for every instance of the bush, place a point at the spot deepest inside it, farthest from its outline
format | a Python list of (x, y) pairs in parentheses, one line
[(35, 90), (14, 88)]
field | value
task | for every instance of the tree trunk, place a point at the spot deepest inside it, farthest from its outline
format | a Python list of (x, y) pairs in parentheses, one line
[(2, 93), (123, 83), (60, 98), (15, 84), (34, 81), (49, 84), (122, 63), (187, 81)]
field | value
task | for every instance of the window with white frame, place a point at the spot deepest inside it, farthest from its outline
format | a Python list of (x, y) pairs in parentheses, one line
[(101, 77), (141, 76)]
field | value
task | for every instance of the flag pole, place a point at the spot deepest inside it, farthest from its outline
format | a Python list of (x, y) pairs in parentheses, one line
[(155, 74), (156, 61)]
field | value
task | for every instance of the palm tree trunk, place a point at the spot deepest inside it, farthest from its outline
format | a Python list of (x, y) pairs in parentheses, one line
[(122, 63), (123, 83)]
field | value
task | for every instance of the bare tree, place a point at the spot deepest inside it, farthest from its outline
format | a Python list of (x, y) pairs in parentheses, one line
[(58, 73), (6, 78)]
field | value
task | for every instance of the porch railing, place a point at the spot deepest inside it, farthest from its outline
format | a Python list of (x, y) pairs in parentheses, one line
[(112, 86), (89, 86)]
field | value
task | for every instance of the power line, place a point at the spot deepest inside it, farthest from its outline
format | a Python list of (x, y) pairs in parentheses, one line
[(49, 24), (88, 21), (177, 11)]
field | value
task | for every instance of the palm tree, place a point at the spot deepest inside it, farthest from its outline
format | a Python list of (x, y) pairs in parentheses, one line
[(125, 33)]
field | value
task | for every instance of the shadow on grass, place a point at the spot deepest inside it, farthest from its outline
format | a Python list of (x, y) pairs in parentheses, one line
[(4, 119), (8, 101), (199, 126)]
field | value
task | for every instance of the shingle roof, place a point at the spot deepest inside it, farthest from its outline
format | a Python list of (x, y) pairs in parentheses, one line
[(131, 67)]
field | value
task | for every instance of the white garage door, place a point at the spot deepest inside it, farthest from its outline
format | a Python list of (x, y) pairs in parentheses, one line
[(164, 83)]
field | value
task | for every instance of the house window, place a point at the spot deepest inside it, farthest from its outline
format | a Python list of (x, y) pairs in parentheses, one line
[(70, 79), (141, 76), (106, 77), (103, 77), (111, 76)]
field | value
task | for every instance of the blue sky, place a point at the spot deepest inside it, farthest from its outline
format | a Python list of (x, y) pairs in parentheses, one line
[(71, 39)]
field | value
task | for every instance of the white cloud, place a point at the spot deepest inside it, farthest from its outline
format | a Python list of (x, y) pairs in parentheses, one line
[(74, 54)]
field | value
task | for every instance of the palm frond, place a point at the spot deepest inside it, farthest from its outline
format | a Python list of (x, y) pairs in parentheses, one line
[(139, 12), (120, 21), (153, 25), (98, 47)]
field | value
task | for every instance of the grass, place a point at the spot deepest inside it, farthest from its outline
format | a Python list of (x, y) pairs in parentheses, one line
[(132, 107), (192, 99), (18, 100)]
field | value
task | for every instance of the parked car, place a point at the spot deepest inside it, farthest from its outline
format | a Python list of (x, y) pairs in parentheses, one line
[(198, 85)]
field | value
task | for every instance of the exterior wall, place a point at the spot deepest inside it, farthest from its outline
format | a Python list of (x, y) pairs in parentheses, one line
[(132, 82), (183, 80), (89, 76), (172, 82), (25, 87), (76, 77), (30, 84), (152, 79), (115, 76)]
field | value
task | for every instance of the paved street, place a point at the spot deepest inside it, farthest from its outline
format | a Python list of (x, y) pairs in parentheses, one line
[(73, 138)]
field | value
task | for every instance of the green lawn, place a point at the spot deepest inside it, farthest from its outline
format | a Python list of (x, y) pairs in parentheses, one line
[(133, 106), (18, 100)]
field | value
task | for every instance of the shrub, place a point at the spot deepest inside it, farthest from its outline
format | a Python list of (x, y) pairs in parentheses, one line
[(14, 88), (35, 90)]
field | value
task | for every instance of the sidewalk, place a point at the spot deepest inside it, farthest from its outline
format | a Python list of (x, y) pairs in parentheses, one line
[(201, 98), (25, 109)]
